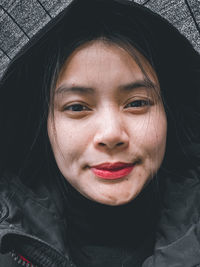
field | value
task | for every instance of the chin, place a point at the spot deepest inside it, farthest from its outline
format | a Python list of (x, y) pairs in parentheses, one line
[(115, 200)]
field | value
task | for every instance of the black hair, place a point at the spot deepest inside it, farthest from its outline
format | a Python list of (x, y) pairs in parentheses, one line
[(28, 85)]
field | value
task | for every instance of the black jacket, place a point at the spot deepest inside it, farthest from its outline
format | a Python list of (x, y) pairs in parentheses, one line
[(33, 222)]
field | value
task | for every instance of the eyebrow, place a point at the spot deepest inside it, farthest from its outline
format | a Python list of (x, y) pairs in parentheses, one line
[(147, 83), (74, 89), (88, 90)]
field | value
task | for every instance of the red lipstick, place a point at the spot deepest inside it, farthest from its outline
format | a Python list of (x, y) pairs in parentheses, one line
[(112, 171)]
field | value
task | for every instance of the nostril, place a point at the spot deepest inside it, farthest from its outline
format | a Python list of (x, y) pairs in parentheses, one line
[(120, 144), (102, 144)]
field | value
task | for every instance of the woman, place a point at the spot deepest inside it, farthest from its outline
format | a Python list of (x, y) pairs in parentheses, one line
[(100, 143)]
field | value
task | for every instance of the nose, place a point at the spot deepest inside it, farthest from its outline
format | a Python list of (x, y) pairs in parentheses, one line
[(111, 131)]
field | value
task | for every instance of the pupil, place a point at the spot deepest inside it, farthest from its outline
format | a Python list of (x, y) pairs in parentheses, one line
[(77, 108), (137, 103)]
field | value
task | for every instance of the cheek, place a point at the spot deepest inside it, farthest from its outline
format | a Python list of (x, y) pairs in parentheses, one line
[(149, 134), (60, 136), (158, 131), (157, 140), (68, 139)]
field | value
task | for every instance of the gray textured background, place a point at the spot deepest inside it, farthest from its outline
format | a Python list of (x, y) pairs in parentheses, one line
[(21, 19)]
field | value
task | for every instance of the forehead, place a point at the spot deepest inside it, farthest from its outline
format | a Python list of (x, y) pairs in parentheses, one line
[(101, 61)]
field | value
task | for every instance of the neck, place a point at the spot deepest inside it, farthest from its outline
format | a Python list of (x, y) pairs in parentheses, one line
[(92, 223)]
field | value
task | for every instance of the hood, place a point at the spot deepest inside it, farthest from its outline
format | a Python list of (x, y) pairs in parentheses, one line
[(25, 98), (25, 85), (20, 21)]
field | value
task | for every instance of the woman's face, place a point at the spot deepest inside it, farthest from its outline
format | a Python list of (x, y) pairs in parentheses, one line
[(108, 131)]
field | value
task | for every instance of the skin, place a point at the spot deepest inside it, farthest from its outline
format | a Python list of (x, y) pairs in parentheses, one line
[(108, 123)]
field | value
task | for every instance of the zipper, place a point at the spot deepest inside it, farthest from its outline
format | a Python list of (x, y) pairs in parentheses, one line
[(30, 251), (20, 260)]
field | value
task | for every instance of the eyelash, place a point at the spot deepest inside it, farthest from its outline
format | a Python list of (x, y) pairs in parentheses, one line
[(137, 104), (142, 102), (76, 105)]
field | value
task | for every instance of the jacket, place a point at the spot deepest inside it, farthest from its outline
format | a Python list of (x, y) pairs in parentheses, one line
[(33, 223)]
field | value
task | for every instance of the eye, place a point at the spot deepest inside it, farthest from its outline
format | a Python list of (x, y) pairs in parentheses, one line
[(138, 104), (76, 108)]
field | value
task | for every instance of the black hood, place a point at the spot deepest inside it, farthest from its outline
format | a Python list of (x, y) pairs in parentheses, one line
[(25, 99), (25, 85)]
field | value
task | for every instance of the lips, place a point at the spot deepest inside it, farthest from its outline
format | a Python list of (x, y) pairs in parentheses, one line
[(112, 171)]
